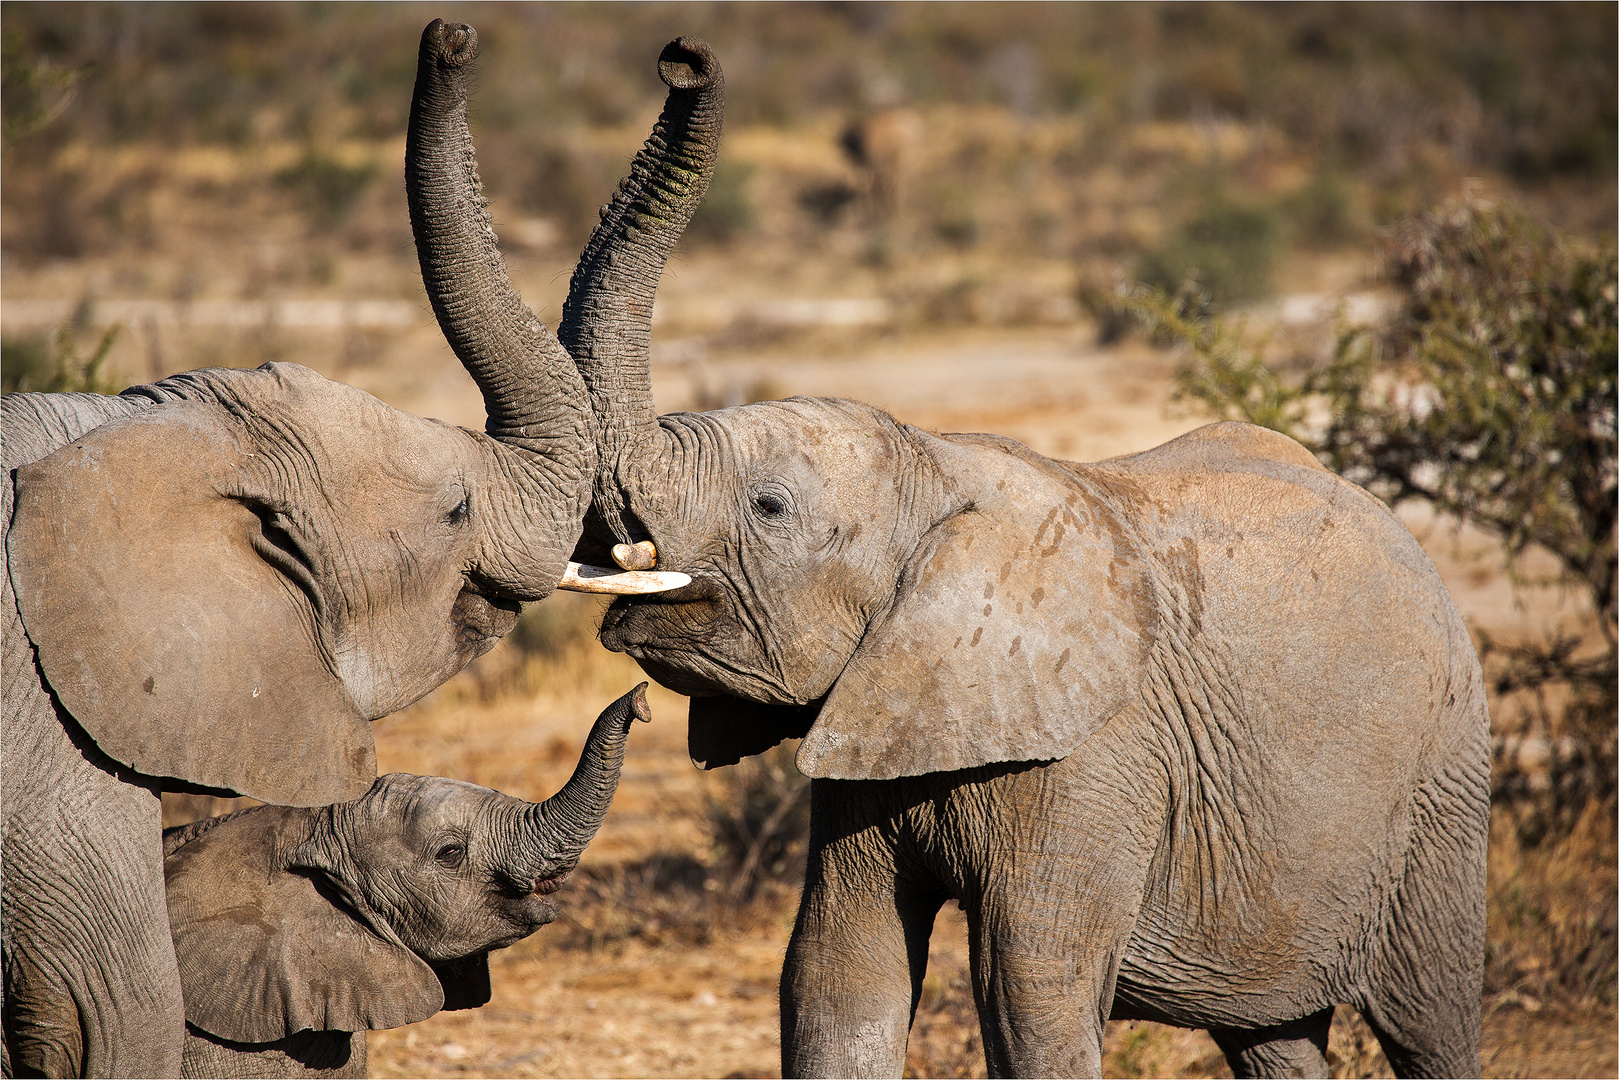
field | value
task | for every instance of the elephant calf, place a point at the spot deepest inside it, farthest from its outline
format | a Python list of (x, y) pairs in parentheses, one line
[(299, 928)]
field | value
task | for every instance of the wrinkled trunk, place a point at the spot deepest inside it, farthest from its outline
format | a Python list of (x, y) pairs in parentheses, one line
[(607, 320), (554, 833), (532, 392)]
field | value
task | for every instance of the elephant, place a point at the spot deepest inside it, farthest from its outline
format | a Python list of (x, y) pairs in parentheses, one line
[(299, 928), (214, 582), (1193, 735)]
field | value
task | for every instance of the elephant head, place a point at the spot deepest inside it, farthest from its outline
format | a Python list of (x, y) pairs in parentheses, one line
[(876, 587), (379, 911), (227, 574)]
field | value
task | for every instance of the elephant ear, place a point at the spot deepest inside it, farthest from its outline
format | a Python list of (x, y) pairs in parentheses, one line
[(142, 573), (1022, 623), (266, 950)]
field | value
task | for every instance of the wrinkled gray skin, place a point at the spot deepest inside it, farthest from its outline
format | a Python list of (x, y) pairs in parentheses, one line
[(298, 929), (1194, 735), (216, 581)]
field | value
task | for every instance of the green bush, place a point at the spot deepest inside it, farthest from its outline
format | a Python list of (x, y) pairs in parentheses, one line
[(1489, 390), (727, 209), (325, 188)]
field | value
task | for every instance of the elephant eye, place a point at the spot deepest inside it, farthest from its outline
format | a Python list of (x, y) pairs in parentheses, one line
[(769, 504), (450, 855), (461, 512)]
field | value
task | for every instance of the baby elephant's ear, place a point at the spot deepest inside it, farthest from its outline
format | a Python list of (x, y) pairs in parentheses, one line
[(266, 951), (1021, 624)]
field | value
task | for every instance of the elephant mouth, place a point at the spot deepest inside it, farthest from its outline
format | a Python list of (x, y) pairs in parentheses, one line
[(692, 615), (545, 886)]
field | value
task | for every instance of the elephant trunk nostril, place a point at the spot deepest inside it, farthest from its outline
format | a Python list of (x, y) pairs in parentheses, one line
[(687, 63), (454, 43)]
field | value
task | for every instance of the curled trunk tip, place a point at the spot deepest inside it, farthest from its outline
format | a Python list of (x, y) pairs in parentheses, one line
[(449, 45), (638, 705), (687, 63)]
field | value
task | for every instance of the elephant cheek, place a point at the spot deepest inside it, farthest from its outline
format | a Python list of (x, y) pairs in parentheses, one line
[(479, 623)]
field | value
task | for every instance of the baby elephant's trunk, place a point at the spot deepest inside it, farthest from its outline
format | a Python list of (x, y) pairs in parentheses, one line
[(560, 827)]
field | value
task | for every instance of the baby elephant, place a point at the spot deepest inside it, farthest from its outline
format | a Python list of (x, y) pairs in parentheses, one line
[(298, 929)]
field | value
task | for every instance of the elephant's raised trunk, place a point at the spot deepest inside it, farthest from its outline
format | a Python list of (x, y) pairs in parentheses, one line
[(557, 830), (607, 320), (532, 392)]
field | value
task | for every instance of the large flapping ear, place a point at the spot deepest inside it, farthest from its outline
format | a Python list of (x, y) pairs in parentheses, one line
[(266, 950), (724, 730), (144, 576), (1021, 624)]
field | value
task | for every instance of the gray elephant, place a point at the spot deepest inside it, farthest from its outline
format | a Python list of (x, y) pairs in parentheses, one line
[(1194, 735), (218, 580), (298, 929)]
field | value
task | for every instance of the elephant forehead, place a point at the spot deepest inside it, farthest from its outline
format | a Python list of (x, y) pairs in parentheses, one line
[(841, 443), (403, 801), (338, 429)]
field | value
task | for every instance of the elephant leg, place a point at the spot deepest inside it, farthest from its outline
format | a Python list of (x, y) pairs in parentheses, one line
[(1058, 874), (1044, 985), (859, 949), (1427, 980), (91, 982), (1295, 1049)]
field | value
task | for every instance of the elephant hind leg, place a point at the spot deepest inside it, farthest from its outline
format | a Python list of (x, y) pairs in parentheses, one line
[(1424, 996), (1298, 1048)]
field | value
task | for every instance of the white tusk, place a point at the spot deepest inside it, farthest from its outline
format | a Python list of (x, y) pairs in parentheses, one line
[(615, 582), (641, 556)]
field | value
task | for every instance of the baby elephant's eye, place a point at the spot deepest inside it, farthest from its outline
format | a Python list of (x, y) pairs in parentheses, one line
[(769, 504), (450, 855)]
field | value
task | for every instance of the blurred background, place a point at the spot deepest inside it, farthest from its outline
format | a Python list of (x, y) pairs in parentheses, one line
[(1090, 227)]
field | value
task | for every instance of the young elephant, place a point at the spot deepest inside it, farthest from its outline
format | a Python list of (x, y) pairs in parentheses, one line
[(298, 929), (1194, 735)]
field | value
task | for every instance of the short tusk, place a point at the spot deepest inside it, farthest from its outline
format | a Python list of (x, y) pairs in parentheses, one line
[(638, 556), (614, 582)]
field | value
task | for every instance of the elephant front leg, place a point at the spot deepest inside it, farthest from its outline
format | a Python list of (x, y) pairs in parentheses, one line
[(855, 963), (91, 983), (1048, 921), (1042, 996)]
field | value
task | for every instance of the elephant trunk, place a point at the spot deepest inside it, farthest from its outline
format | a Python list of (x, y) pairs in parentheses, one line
[(607, 320), (532, 392), (557, 830)]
